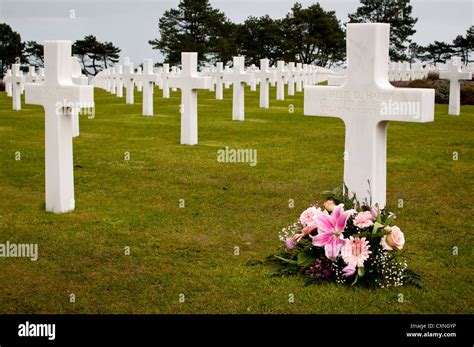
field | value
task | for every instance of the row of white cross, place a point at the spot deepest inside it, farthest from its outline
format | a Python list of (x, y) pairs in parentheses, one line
[(291, 74), (365, 100), (405, 72), (189, 80)]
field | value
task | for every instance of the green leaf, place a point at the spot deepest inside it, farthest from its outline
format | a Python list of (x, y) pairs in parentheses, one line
[(377, 226), (379, 215), (360, 272), (388, 221), (289, 261), (355, 280), (305, 259)]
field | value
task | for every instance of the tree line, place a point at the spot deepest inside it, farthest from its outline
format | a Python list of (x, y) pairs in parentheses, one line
[(308, 35), (439, 51), (93, 54)]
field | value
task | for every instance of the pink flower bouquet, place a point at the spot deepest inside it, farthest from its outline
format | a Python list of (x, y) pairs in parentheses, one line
[(344, 241)]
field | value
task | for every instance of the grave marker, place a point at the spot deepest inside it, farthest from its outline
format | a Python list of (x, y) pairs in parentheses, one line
[(58, 95), (366, 102)]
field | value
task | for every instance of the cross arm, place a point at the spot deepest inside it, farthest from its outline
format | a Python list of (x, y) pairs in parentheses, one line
[(462, 75), (40, 94)]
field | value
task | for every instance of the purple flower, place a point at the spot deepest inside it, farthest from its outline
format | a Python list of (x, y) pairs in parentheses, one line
[(373, 210), (289, 244), (348, 271), (322, 268)]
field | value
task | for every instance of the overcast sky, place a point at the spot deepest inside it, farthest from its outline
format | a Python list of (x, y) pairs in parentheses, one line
[(130, 24)]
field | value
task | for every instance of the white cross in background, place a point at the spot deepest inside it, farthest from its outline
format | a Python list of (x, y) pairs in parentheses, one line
[(159, 78), (7, 79), (299, 77), (291, 78), (366, 102), (218, 75), (128, 77), (138, 80), (238, 77), (117, 76), (107, 79), (31, 76), (265, 75), (280, 80), (165, 76), (113, 81), (189, 82), (18, 82), (147, 79), (454, 75), (227, 71), (174, 73)]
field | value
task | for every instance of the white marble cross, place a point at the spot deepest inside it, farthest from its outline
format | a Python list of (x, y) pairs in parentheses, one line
[(238, 77), (118, 80), (107, 79), (18, 82), (139, 81), (7, 79), (40, 75), (174, 73), (79, 79), (31, 75), (218, 75), (291, 72), (305, 74), (366, 102), (391, 71), (454, 75), (280, 80), (165, 77), (397, 71), (159, 77), (299, 77), (406, 72), (129, 80), (113, 81), (147, 79), (189, 82), (415, 72), (208, 72), (253, 83), (228, 71), (58, 95), (265, 75)]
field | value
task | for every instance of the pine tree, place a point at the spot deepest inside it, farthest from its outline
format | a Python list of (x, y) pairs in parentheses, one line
[(194, 27), (11, 48)]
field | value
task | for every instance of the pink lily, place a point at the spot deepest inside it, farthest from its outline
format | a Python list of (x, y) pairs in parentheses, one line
[(330, 229)]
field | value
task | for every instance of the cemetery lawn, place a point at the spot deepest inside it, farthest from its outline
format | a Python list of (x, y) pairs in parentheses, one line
[(191, 250)]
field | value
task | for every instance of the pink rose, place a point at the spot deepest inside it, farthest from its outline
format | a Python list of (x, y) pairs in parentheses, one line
[(364, 219), (394, 240), (308, 217), (329, 205)]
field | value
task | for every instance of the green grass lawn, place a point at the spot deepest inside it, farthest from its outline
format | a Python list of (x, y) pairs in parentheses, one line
[(190, 250)]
